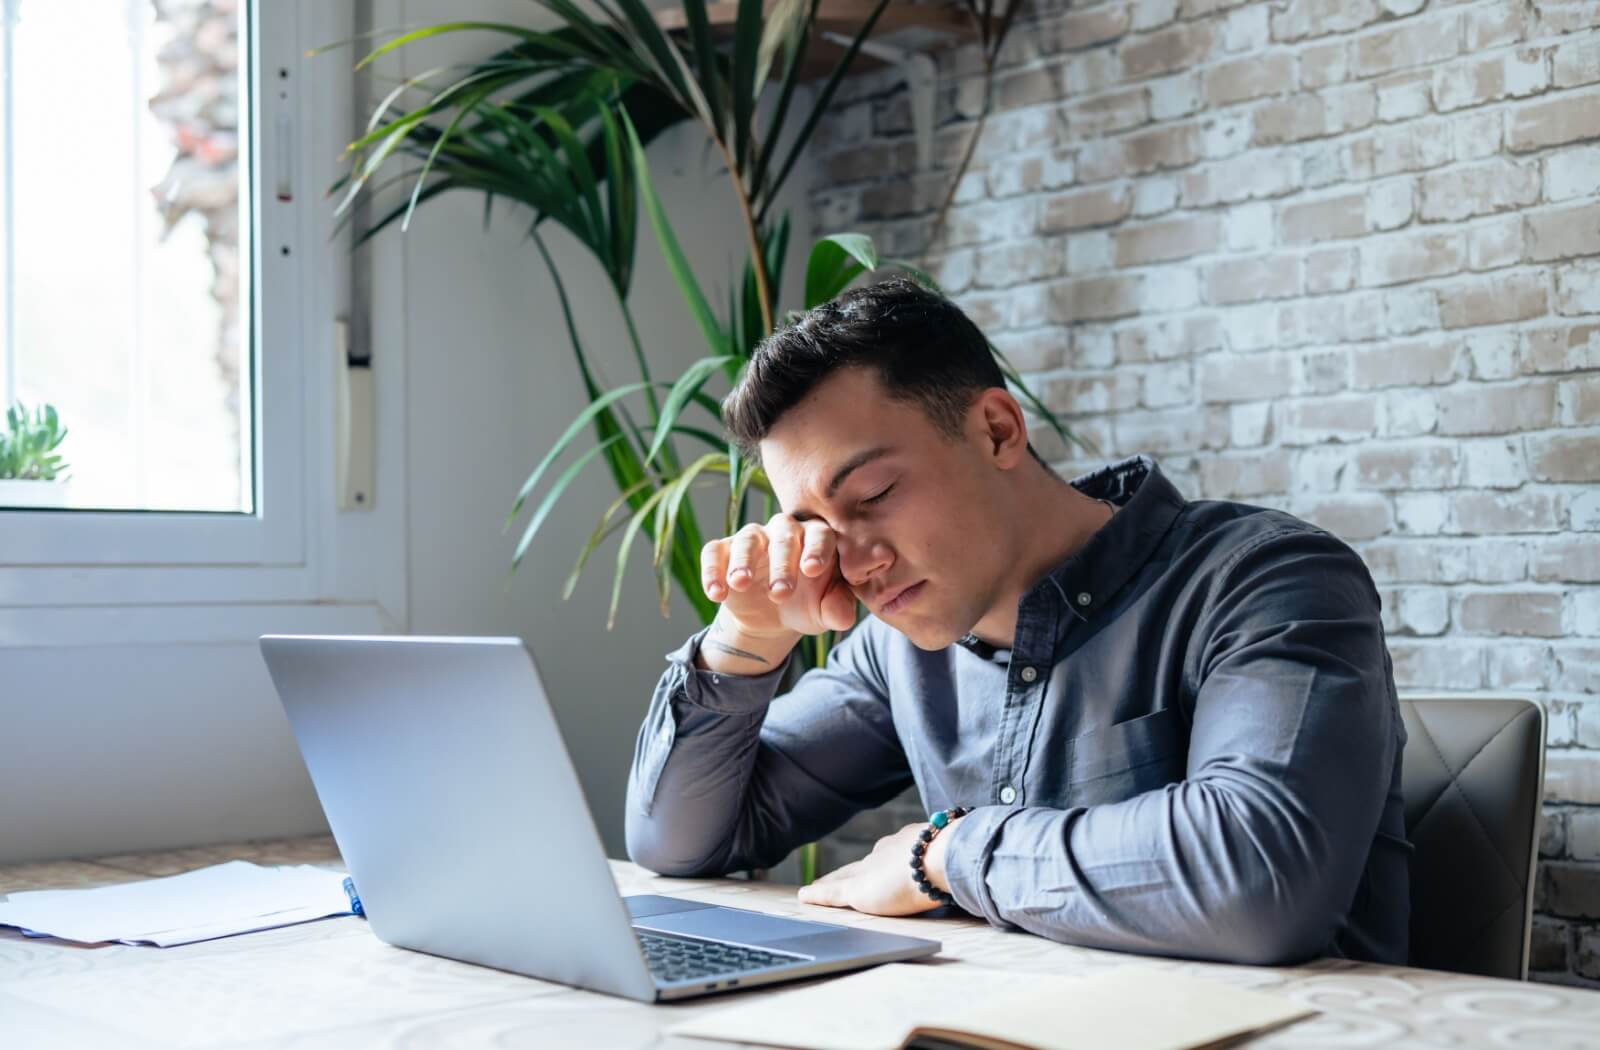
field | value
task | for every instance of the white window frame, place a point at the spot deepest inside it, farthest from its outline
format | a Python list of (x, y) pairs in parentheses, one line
[(96, 561)]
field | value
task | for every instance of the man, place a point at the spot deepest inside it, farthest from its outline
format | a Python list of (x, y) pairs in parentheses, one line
[(1175, 722)]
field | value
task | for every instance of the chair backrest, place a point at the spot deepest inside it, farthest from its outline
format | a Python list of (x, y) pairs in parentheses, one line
[(1474, 782)]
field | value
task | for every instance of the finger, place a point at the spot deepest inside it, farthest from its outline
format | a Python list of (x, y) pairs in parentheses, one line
[(838, 606), (819, 550), (749, 551), (783, 550), (714, 569)]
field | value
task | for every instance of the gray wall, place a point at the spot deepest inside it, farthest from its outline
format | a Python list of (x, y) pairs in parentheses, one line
[(117, 747)]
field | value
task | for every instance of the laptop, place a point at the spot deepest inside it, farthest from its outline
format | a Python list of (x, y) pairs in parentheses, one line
[(455, 805)]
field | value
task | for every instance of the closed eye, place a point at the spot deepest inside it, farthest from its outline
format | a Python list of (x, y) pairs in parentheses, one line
[(879, 496)]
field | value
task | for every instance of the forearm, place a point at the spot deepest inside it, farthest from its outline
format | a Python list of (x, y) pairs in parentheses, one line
[(1195, 870), (689, 784)]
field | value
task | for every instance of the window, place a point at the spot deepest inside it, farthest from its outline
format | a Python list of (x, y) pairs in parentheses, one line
[(126, 256), (149, 288)]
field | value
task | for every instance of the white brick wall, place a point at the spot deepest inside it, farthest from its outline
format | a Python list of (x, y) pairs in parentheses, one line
[(1340, 257)]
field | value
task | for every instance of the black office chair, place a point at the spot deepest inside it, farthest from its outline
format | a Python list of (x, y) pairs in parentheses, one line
[(1473, 776)]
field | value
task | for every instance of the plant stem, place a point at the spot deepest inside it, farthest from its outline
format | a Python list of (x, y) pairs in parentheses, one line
[(758, 258)]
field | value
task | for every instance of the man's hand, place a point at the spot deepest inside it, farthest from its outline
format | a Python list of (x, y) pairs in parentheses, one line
[(881, 882), (779, 578)]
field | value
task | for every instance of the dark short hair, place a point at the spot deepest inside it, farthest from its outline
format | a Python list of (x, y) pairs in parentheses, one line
[(924, 350)]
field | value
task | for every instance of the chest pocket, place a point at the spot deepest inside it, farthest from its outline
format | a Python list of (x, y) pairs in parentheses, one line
[(1127, 759)]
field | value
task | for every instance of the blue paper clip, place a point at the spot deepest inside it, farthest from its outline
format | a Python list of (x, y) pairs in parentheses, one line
[(355, 901)]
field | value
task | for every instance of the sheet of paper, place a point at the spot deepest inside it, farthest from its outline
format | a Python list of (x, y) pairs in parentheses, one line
[(1132, 1008), (224, 899)]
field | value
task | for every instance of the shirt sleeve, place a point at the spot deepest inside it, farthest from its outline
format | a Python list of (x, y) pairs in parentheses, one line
[(1257, 854), (726, 777)]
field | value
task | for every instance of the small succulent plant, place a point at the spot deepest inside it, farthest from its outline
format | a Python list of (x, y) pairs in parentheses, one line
[(27, 445)]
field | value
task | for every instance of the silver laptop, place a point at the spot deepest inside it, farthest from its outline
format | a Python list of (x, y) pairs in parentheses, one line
[(454, 803)]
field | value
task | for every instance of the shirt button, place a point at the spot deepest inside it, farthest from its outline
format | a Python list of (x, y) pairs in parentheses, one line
[(1030, 673), (1008, 794), (1083, 598)]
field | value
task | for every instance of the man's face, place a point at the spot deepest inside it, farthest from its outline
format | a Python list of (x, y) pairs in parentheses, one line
[(911, 506)]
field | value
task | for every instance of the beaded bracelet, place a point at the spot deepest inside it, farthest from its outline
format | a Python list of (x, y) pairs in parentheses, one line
[(936, 822)]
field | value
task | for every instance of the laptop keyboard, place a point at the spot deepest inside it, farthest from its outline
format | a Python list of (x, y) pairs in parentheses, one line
[(685, 959)]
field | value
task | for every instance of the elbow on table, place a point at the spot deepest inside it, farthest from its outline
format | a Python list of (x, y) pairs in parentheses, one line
[(647, 847), (1273, 929)]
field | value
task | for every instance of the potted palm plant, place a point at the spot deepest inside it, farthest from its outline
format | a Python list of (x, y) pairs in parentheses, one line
[(32, 472), (557, 120)]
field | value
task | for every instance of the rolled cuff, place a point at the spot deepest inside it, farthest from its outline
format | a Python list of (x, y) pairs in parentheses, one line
[(973, 839)]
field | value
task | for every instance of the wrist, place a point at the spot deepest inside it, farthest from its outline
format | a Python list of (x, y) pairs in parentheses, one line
[(732, 648), (933, 859)]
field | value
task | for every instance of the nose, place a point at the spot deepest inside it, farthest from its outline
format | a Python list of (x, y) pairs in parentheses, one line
[(862, 558)]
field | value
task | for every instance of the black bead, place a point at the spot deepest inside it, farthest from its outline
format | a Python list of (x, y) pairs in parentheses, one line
[(916, 862)]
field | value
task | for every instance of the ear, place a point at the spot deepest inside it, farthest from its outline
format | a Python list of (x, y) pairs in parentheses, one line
[(998, 418)]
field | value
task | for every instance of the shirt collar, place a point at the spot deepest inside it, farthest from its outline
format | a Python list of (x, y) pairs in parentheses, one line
[(1092, 575), (1147, 505)]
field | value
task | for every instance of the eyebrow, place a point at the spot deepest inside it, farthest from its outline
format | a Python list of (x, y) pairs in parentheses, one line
[(860, 459)]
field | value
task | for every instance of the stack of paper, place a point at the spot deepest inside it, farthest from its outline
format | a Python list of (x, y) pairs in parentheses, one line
[(224, 899)]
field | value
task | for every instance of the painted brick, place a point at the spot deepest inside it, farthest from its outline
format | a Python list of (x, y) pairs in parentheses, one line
[(1308, 116), (1326, 219), (1411, 257), (1526, 613), (1331, 419), (1441, 664), (1498, 513), (1250, 177), (1508, 74), (1493, 463), (1330, 270), (1238, 477), (1352, 518), (1572, 776), (1567, 117), (1572, 173), (1409, 44), (1113, 111), (1416, 363), (1249, 78), (1314, 18), (1080, 29), (1100, 206), (1093, 298), (1578, 288), (1478, 189), (1166, 50), (1173, 430), (1576, 62), (1406, 467), (1496, 243), (1498, 409), (1564, 232), (1251, 279), (1404, 96), (1566, 561), (1564, 457), (1167, 239), (1324, 64), (1224, 379), (1574, 889), (1515, 297)]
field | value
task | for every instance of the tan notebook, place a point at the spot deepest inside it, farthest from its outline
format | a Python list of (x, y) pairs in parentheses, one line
[(959, 1004)]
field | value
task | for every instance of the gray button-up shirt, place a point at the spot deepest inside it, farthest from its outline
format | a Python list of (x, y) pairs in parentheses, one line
[(1191, 749)]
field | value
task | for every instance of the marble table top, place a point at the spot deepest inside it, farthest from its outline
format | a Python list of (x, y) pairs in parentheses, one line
[(330, 983)]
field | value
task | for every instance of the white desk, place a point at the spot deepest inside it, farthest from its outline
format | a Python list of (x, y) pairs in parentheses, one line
[(332, 984)]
